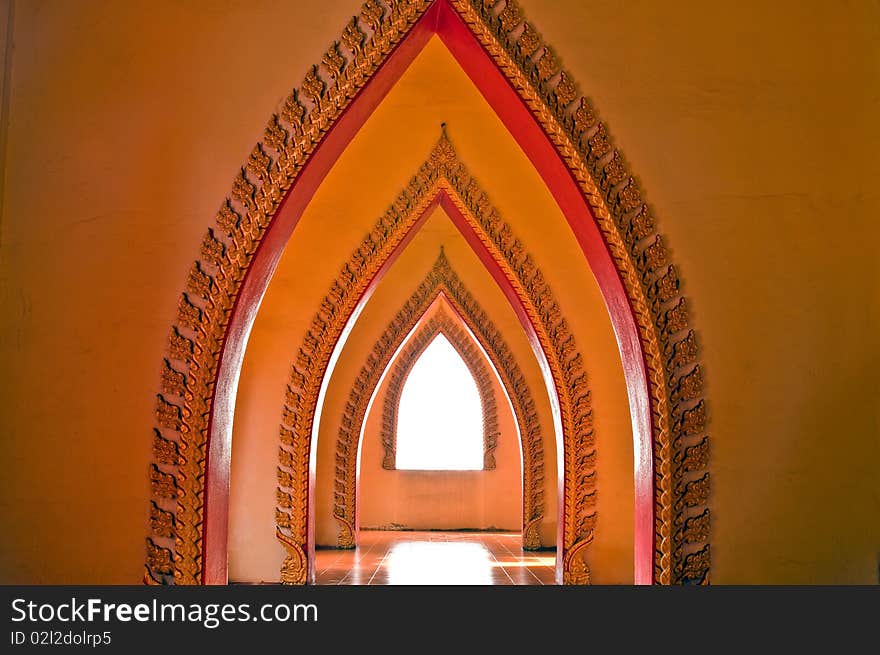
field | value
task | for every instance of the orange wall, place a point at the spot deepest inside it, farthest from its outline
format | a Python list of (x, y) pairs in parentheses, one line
[(752, 128)]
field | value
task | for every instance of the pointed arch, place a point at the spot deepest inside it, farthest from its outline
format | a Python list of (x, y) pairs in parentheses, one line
[(558, 129), (440, 324), (444, 181), (440, 280), (420, 389)]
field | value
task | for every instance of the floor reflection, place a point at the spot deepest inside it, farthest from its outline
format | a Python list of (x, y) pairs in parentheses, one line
[(436, 558), (437, 562)]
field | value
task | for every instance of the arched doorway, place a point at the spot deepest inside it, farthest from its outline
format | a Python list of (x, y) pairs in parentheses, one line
[(539, 103), (440, 284)]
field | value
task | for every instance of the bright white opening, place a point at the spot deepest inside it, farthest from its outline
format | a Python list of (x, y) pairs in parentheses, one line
[(440, 418)]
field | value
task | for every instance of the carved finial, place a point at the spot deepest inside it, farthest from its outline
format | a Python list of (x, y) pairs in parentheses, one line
[(444, 152), (441, 262)]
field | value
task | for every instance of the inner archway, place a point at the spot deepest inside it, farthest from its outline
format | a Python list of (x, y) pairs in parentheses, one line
[(404, 338), (437, 526), (442, 181)]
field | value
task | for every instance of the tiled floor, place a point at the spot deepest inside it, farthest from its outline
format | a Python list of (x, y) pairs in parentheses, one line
[(433, 558)]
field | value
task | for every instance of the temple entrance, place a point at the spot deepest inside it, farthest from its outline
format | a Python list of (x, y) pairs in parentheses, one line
[(550, 219)]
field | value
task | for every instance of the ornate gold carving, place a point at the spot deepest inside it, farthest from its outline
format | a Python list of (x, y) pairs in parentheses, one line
[(228, 219), (333, 61), (293, 112), (313, 85), (188, 314), (510, 16), (275, 135), (179, 347), (565, 91), (548, 64), (440, 279), (676, 318), (696, 457), (163, 485), (684, 352), (575, 569), (528, 41), (660, 311), (164, 450), (159, 559), (173, 382), (168, 415), (443, 171), (293, 569), (583, 117), (212, 249), (353, 37), (243, 191), (697, 492), (692, 421), (697, 527), (689, 386), (695, 569), (258, 162), (161, 522)]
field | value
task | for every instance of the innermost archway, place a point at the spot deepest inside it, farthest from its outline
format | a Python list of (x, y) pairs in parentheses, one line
[(441, 302), (428, 435)]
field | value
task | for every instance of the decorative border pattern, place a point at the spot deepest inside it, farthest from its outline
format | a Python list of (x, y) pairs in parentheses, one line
[(441, 279), (443, 324), (679, 411), (441, 173)]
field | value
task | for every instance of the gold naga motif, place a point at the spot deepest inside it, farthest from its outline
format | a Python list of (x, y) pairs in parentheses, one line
[(441, 279), (678, 408)]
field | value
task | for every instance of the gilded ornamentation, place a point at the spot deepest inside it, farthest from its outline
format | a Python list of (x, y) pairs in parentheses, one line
[(188, 315), (165, 451), (294, 567), (161, 522), (440, 279), (575, 569), (159, 559), (168, 415), (173, 382), (695, 569), (179, 347), (442, 172), (163, 485), (212, 249), (696, 493), (583, 144)]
